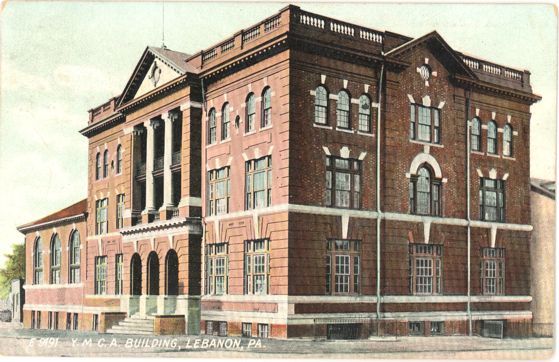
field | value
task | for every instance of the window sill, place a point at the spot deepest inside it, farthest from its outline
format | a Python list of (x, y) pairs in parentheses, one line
[(509, 158), (266, 128), (227, 140), (494, 221), (493, 155), (425, 143), (323, 126), (249, 133), (368, 134), (211, 145), (477, 153), (344, 208), (428, 215), (427, 294), (345, 130)]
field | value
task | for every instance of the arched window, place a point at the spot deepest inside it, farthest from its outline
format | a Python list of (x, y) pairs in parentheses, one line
[(55, 256), (119, 159), (171, 273), (211, 127), (225, 122), (97, 166), (266, 118), (425, 193), (74, 252), (153, 274), (492, 137), (342, 110), (250, 113), (38, 261), (136, 275), (475, 132), (507, 140), (106, 163), (321, 105), (365, 113)]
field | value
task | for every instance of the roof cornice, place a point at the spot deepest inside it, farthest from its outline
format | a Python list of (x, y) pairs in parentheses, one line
[(64, 220), (486, 86), (97, 127)]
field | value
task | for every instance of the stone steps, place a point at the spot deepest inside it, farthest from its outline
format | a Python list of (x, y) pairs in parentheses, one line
[(134, 325)]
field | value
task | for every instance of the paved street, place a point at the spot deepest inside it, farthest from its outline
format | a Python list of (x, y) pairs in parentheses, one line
[(22, 342)]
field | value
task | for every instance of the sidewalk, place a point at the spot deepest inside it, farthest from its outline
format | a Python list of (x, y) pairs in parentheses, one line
[(60, 343)]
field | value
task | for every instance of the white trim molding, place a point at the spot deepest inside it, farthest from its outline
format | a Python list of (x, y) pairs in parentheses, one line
[(71, 308), (190, 201), (422, 158), (455, 298), (52, 286), (443, 316)]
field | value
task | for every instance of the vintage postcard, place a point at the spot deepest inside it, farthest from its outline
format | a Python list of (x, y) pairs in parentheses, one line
[(278, 180)]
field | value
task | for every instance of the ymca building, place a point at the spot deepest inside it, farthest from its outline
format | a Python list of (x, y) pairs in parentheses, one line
[(306, 177)]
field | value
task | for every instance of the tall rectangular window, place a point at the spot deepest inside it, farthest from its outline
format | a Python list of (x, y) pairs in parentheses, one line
[(100, 275), (425, 269), (257, 266), (101, 216), (263, 330), (343, 182), (343, 267), (250, 112), (266, 119), (247, 329), (258, 183), (217, 265), (493, 271), (119, 287), (425, 193), (95, 323), (425, 123), (219, 191), (74, 251), (119, 211), (212, 126), (492, 200), (342, 110)]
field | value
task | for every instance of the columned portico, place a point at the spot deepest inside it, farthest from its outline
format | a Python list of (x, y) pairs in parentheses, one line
[(150, 141), (168, 118)]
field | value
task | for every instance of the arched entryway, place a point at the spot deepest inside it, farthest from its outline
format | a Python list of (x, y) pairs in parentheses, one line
[(136, 275), (172, 273), (153, 274)]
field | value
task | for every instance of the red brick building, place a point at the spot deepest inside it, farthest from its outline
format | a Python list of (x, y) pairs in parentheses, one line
[(308, 177)]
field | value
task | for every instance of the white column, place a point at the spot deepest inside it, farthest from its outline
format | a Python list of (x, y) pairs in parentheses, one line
[(150, 200), (168, 118)]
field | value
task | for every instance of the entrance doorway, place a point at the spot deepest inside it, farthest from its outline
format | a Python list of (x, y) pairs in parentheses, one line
[(153, 274), (136, 275), (172, 273)]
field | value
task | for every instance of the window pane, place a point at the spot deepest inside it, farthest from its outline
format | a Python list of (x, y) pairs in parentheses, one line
[(492, 137), (364, 114), (342, 110), (423, 188), (320, 105), (412, 122), (343, 188), (424, 131)]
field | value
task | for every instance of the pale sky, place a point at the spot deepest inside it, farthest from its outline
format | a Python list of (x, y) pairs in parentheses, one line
[(59, 59)]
